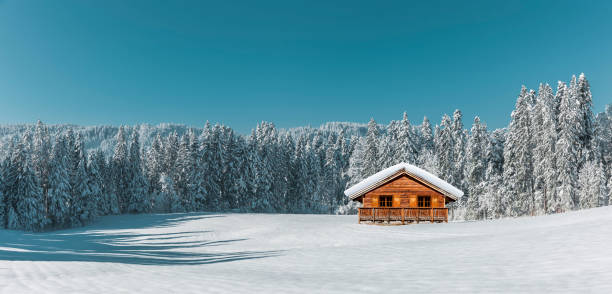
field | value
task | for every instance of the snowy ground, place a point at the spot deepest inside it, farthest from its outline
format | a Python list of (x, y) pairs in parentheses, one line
[(229, 253)]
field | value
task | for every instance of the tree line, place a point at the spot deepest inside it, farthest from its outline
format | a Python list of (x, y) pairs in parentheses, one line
[(554, 156)]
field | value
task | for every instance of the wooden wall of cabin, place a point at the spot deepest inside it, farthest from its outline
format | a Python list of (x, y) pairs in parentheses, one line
[(405, 191)]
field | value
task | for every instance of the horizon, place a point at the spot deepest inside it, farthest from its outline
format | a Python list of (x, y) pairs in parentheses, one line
[(295, 65)]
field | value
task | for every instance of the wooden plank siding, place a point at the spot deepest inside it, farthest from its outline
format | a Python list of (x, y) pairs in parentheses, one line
[(405, 191)]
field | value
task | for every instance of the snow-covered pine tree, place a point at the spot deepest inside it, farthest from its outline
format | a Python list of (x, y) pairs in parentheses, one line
[(518, 175), (426, 135), (24, 195), (300, 172), (83, 201), (59, 194), (406, 142), (609, 190), (138, 200), (475, 166), (284, 158), (332, 176), (41, 155), (29, 207), (171, 147), (494, 154), (3, 206), (197, 176), (95, 183), (445, 150), (566, 153), (371, 154), (544, 127), (217, 170), (603, 138), (459, 140), (168, 200), (208, 166), (120, 171), (592, 184), (155, 164), (263, 178), (585, 118), (387, 150)]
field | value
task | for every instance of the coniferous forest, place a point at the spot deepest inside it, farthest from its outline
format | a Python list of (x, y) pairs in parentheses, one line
[(554, 156)]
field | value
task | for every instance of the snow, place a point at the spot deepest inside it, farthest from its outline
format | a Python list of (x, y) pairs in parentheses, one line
[(375, 179), (275, 253)]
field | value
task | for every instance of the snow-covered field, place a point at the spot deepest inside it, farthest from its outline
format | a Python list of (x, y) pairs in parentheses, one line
[(266, 253)]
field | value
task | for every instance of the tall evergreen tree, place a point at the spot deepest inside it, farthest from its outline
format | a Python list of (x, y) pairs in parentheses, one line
[(445, 150), (406, 144), (41, 155), (59, 194), (95, 183), (518, 159), (592, 183), (566, 153), (585, 118), (544, 126), (475, 167), (137, 197), (120, 171), (371, 154), (155, 164), (459, 140)]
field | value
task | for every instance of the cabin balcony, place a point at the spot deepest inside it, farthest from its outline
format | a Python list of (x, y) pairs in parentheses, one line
[(403, 214)]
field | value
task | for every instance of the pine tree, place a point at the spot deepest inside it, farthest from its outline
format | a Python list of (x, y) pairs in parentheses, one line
[(208, 166), (41, 155), (475, 169), (198, 176), (82, 204), (459, 139), (371, 153), (592, 183), (137, 198), (493, 197), (585, 118), (426, 136), (544, 126), (518, 159), (120, 172), (566, 153), (27, 206), (155, 164), (169, 200), (59, 194), (406, 142), (95, 183), (445, 150)]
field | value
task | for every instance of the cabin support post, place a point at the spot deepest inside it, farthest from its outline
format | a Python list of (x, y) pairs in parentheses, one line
[(418, 213), (432, 216), (358, 216), (373, 215), (403, 215)]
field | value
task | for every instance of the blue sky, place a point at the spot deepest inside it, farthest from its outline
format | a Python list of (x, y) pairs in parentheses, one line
[(291, 62)]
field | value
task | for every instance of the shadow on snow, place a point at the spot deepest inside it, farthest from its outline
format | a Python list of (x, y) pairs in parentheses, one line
[(111, 240)]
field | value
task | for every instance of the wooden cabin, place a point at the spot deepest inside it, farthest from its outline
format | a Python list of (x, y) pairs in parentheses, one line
[(403, 193)]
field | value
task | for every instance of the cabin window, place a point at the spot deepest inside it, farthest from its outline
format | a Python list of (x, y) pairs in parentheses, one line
[(424, 201), (385, 201)]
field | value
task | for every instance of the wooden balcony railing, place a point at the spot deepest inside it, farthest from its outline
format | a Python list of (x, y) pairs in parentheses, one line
[(412, 214)]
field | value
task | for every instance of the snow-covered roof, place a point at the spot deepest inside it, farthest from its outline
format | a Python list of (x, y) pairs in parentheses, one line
[(387, 174)]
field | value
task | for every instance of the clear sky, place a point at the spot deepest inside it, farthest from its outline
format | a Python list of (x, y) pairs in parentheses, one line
[(291, 62)]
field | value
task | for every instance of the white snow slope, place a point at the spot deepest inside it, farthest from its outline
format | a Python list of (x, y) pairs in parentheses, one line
[(270, 253)]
